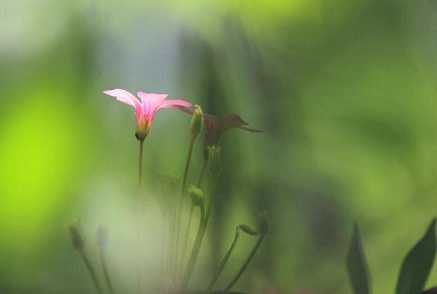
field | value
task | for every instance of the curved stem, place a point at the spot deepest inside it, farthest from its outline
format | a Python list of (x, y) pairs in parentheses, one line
[(91, 271), (187, 233), (103, 262), (224, 260), (206, 213), (196, 248), (246, 263)]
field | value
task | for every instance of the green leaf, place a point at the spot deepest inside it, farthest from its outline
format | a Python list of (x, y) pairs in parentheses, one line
[(248, 230), (417, 264), (430, 291), (357, 265)]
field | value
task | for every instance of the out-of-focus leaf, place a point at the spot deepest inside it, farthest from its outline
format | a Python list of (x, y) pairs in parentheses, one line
[(213, 292), (357, 265), (417, 264), (430, 291)]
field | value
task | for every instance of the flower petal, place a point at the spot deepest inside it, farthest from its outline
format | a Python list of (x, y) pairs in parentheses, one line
[(151, 101), (180, 104), (235, 121), (250, 129), (123, 96)]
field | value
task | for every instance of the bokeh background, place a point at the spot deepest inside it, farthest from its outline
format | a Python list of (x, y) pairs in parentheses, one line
[(343, 89)]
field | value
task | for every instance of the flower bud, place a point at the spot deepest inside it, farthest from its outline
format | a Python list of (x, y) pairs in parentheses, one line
[(248, 230), (196, 195), (141, 133), (196, 121), (76, 237)]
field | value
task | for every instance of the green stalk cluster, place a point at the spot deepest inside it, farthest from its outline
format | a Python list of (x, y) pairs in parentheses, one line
[(183, 252), (79, 245)]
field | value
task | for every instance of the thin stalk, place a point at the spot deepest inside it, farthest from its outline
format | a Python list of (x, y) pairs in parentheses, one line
[(139, 235), (224, 260), (140, 165), (246, 263), (187, 164), (199, 182), (181, 202), (91, 271), (196, 247), (187, 234), (204, 220), (102, 253)]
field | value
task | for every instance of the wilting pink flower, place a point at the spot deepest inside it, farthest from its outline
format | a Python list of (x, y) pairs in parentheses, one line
[(215, 126), (146, 106)]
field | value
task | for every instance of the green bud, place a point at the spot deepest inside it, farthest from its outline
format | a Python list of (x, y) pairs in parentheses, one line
[(196, 195), (141, 133), (214, 156), (248, 230), (196, 121), (76, 237)]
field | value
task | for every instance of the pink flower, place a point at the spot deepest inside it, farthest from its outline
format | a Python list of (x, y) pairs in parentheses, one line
[(216, 126), (146, 106)]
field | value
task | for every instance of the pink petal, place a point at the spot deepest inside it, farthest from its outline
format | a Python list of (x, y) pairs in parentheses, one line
[(177, 104), (123, 96), (250, 129), (151, 101), (235, 121)]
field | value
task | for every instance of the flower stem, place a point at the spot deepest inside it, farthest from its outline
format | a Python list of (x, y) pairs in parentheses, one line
[(224, 260), (187, 164), (102, 253), (187, 234), (91, 271), (178, 216), (204, 218), (139, 235), (140, 165), (246, 263)]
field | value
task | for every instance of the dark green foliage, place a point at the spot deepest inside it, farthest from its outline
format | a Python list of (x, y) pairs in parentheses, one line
[(430, 291), (417, 264), (357, 265)]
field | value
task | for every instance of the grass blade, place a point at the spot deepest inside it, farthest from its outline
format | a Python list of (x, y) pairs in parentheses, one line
[(357, 265), (417, 264)]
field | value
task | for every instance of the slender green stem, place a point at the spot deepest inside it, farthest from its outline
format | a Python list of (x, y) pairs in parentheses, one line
[(102, 254), (224, 260), (139, 235), (178, 216), (187, 234), (140, 165), (91, 270), (246, 263), (204, 218), (187, 164)]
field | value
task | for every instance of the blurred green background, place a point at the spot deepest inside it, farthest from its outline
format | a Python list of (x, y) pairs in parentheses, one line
[(343, 89)]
